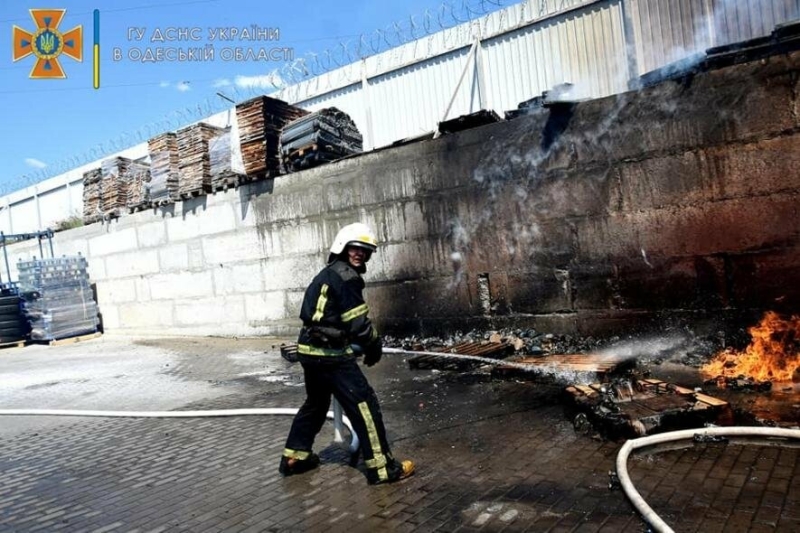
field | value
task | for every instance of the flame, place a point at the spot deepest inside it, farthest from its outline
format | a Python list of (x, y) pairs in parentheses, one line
[(773, 353)]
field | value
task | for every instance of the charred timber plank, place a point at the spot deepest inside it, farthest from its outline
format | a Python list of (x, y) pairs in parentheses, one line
[(431, 362), (488, 349), (710, 400), (581, 389)]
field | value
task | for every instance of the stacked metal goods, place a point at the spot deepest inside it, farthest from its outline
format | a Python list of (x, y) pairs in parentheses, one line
[(164, 168), (322, 136), (260, 122), (194, 160), (220, 153), (58, 301), (13, 326), (92, 195)]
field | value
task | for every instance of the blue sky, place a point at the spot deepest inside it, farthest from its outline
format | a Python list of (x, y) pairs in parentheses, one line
[(53, 123)]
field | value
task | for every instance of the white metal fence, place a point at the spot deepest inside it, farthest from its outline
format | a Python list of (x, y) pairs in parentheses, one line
[(504, 58)]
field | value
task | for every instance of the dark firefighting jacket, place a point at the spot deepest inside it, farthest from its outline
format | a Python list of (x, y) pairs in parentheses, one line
[(335, 315)]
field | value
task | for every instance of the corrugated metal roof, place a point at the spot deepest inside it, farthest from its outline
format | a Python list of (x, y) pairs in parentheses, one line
[(583, 44)]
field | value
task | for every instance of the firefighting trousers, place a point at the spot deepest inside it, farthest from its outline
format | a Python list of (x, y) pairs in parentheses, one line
[(344, 380)]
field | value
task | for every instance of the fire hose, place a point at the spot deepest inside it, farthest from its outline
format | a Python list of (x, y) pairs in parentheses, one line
[(340, 421), (647, 513)]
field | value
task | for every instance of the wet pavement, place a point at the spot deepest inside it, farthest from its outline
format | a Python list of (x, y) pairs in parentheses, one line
[(491, 456)]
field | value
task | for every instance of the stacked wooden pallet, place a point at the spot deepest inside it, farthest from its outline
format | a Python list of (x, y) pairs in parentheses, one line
[(220, 152), (260, 122), (194, 160), (92, 195), (164, 168), (114, 185), (138, 181)]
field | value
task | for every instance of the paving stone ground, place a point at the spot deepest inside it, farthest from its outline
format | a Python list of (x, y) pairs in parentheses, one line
[(491, 456)]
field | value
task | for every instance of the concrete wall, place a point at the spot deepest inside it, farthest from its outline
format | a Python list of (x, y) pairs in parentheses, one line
[(678, 201)]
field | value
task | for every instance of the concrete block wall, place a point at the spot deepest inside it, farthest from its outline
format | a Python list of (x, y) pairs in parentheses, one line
[(677, 201)]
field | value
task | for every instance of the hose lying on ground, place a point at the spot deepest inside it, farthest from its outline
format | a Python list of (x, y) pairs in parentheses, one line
[(354, 443), (334, 415), (633, 495)]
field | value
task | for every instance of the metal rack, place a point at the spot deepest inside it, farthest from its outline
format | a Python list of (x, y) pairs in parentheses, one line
[(11, 287)]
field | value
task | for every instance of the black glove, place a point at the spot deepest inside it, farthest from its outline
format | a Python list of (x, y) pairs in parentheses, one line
[(372, 354)]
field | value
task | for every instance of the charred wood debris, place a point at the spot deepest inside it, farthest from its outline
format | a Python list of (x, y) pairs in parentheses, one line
[(611, 400)]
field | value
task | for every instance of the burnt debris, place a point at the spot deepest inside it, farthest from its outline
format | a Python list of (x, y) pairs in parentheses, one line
[(632, 407), (739, 383)]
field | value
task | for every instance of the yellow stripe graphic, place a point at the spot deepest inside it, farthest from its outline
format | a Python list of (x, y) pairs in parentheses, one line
[(355, 313), (374, 442), (294, 454), (96, 66), (321, 302), (305, 349)]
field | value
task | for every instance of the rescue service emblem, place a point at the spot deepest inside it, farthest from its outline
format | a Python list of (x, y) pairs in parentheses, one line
[(47, 43)]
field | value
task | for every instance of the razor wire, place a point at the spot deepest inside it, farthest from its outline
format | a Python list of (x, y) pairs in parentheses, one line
[(450, 14)]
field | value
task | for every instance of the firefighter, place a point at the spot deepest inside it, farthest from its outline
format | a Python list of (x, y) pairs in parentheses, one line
[(336, 330)]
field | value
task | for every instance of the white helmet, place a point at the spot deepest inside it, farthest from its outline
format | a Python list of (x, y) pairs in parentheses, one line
[(356, 234)]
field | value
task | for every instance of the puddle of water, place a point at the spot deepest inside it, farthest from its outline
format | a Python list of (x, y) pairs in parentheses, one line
[(781, 405)]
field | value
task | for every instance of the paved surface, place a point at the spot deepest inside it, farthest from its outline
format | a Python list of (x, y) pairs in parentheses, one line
[(491, 456)]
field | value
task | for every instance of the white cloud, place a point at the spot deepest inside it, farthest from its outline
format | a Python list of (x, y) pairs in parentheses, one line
[(163, 84), (222, 82), (264, 81), (35, 163), (183, 86)]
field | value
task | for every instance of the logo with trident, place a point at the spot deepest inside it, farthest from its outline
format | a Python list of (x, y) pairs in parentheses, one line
[(47, 43)]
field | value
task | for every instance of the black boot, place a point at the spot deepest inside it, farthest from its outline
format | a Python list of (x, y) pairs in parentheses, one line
[(291, 466)]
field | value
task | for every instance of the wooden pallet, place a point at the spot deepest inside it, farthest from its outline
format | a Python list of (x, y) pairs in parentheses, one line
[(493, 350), (139, 207), (73, 340), (162, 203), (289, 352), (187, 195), (12, 344), (223, 184), (647, 406), (299, 153), (704, 400)]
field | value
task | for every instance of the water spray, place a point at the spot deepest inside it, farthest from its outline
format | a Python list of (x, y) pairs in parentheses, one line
[(543, 370)]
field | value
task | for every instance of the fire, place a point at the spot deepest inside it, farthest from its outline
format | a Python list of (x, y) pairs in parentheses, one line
[(773, 353)]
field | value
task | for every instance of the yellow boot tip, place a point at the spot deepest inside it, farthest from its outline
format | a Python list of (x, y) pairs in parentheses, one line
[(408, 468)]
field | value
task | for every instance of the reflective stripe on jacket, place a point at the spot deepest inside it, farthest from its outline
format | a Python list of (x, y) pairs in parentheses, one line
[(334, 313)]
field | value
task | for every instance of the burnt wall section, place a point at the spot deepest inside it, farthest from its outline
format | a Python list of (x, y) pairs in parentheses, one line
[(679, 201)]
